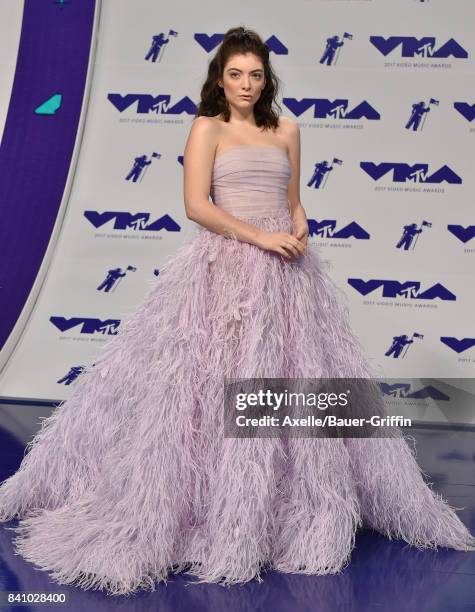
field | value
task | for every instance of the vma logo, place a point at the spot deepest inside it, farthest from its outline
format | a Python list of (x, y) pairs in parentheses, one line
[(466, 110), (323, 108), (459, 346), (411, 46), (407, 290), (405, 173), (404, 390), (464, 234), (146, 103), (327, 229), (86, 325), (209, 43), (135, 221)]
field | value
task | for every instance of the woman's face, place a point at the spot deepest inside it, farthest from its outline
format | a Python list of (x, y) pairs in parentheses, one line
[(243, 80)]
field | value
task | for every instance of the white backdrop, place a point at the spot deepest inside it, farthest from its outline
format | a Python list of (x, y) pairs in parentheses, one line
[(90, 246)]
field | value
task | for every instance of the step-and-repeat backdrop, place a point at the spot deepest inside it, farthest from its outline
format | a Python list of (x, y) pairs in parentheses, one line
[(383, 94)]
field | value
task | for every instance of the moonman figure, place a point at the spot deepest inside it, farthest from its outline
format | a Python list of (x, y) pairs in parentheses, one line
[(332, 45), (71, 375), (319, 173), (157, 43), (139, 165), (408, 235), (418, 111), (112, 276), (399, 342)]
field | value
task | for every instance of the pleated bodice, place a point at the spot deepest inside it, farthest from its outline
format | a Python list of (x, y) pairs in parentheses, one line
[(251, 180)]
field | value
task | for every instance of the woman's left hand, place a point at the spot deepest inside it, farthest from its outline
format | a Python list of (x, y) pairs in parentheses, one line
[(300, 227)]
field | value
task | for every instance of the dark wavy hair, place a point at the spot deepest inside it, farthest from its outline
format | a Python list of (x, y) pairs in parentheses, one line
[(213, 101)]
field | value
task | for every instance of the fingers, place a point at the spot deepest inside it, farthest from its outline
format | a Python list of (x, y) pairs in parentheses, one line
[(295, 252), (297, 244), (283, 252), (290, 246)]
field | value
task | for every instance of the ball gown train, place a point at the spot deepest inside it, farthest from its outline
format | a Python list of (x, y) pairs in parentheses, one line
[(131, 477)]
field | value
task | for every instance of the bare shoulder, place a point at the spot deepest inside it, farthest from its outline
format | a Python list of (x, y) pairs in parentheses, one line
[(202, 138), (290, 131), (288, 125), (286, 121), (203, 126)]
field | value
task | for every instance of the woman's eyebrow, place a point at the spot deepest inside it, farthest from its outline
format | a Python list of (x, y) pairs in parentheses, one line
[(255, 70)]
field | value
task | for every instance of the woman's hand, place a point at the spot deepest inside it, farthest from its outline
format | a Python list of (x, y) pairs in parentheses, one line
[(283, 243), (300, 225), (300, 231)]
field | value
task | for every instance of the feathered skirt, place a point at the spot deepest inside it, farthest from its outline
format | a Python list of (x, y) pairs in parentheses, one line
[(131, 477)]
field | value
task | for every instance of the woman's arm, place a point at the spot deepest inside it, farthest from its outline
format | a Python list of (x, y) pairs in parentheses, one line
[(198, 167), (297, 211)]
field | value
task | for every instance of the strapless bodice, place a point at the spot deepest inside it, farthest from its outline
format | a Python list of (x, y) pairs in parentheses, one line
[(251, 180)]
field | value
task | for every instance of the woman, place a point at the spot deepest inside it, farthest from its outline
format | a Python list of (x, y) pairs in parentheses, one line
[(132, 476)]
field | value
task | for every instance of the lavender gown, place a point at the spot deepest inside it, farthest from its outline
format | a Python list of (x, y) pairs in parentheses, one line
[(131, 476)]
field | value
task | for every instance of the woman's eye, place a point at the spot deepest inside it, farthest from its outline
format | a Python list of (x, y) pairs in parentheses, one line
[(235, 74)]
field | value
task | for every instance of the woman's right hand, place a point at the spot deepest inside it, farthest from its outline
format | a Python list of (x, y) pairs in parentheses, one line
[(281, 242)]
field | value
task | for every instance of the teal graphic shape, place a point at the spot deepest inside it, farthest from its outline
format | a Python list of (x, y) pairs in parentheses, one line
[(50, 106)]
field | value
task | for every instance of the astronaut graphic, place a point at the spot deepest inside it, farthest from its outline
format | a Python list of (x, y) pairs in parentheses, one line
[(332, 48), (71, 376), (320, 172), (113, 278), (418, 111), (110, 280), (419, 114), (410, 235), (139, 164), (158, 45), (401, 343), (396, 348), (329, 54)]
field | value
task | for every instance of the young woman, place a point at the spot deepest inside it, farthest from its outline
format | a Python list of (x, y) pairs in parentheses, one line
[(132, 477)]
